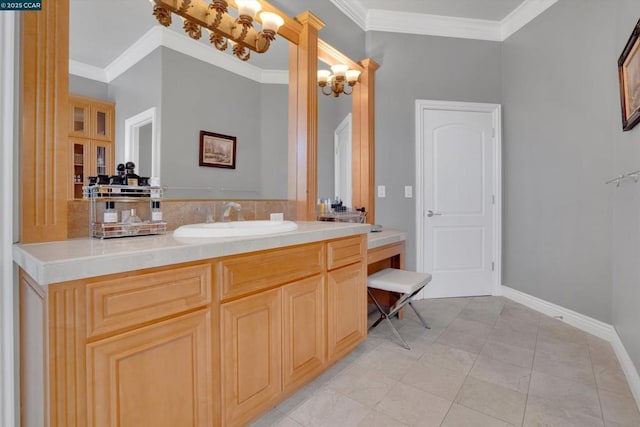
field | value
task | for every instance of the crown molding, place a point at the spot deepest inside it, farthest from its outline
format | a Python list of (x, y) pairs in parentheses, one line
[(160, 36), (432, 25), (522, 15), (354, 10), (442, 26)]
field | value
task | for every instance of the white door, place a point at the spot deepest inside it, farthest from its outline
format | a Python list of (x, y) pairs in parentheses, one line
[(457, 218), (342, 161)]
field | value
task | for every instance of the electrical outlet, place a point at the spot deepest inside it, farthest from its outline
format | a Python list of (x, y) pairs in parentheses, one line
[(276, 217), (382, 191), (408, 191)]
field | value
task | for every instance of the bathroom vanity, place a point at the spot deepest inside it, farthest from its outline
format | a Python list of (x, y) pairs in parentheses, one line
[(196, 332)]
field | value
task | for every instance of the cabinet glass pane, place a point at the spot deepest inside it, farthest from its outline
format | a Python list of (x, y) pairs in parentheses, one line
[(101, 125), (78, 170), (101, 158), (78, 119)]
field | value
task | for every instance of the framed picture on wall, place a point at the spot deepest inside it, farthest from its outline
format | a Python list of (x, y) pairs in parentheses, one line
[(217, 151), (629, 73)]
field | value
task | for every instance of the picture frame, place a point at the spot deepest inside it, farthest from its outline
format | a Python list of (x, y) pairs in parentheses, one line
[(217, 150), (629, 75)]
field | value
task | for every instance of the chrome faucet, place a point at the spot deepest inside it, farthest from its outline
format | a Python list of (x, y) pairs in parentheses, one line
[(226, 211)]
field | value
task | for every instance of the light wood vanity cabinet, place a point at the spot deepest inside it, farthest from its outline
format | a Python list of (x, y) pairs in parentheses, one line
[(216, 342)]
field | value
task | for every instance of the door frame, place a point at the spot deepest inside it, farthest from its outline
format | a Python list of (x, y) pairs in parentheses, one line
[(496, 112)]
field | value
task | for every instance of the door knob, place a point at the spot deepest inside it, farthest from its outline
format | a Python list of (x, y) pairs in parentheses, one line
[(431, 213)]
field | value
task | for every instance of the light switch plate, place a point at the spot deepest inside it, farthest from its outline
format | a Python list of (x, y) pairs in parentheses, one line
[(408, 191), (276, 217), (382, 191)]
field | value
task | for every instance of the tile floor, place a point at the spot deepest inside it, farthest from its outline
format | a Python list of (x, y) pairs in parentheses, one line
[(486, 361)]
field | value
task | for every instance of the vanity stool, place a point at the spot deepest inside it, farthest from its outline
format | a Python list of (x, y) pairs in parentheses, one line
[(407, 283)]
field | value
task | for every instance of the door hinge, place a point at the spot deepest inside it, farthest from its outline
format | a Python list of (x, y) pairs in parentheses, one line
[(493, 266)]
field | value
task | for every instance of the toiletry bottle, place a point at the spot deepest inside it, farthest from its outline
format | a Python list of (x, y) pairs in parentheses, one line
[(110, 214), (156, 213), (133, 218), (130, 177)]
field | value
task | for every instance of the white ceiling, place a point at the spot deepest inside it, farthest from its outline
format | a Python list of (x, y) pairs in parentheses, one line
[(103, 32), (494, 10)]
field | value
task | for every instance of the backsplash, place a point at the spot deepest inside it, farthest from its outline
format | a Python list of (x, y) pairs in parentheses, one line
[(180, 212)]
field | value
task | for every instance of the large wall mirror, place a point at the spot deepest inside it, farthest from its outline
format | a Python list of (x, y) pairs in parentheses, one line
[(191, 87)]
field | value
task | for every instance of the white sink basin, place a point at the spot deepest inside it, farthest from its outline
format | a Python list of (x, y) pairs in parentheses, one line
[(235, 228)]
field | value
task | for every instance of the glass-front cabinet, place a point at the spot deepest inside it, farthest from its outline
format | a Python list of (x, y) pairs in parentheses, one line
[(91, 130)]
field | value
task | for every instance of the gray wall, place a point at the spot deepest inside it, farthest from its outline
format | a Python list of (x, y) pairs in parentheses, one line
[(87, 87), (560, 97), (625, 251), (135, 91), (420, 67), (274, 117)]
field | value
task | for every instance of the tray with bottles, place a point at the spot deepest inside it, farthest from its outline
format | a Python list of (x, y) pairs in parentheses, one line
[(121, 192), (103, 230), (343, 214)]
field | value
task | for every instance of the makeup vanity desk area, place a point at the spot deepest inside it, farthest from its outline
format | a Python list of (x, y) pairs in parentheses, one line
[(386, 249)]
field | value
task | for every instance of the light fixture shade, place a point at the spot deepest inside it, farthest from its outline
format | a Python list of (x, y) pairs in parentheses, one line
[(271, 21), (339, 70), (352, 75), (248, 8), (323, 76)]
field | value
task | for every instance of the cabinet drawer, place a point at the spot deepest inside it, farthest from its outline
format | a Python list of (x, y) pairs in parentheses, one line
[(244, 274), (346, 251), (128, 301)]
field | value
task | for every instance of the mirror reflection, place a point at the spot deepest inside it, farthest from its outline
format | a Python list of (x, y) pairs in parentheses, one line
[(138, 64), (334, 145)]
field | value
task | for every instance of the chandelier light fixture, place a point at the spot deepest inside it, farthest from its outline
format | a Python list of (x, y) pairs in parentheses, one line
[(341, 81), (223, 28)]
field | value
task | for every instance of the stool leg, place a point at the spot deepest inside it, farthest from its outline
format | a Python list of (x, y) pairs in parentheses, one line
[(424, 322), (397, 334)]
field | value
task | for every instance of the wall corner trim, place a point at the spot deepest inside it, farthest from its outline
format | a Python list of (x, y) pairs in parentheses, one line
[(587, 324)]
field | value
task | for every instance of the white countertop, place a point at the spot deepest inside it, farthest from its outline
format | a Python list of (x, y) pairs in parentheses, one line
[(74, 259), (386, 237)]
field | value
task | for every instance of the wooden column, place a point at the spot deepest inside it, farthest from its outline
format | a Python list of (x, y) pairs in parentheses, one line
[(363, 164), (43, 156), (303, 118)]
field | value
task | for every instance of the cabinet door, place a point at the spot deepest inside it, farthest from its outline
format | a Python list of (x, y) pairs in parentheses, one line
[(102, 158), (251, 355), (346, 308), (303, 331), (80, 161), (79, 117), (159, 375), (102, 121)]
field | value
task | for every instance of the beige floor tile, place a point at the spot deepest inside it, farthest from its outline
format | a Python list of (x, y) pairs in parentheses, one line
[(542, 412), (435, 379), (611, 379), (555, 364), (464, 341), (505, 333), (501, 373), (385, 362), (460, 416), (287, 422), (512, 354), (570, 395), (469, 327), (619, 409), (479, 315), (494, 400), (449, 358), (329, 408), (378, 419), (269, 419), (556, 329), (413, 406), (363, 386)]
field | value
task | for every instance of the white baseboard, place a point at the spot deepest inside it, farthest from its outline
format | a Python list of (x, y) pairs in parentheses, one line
[(587, 324)]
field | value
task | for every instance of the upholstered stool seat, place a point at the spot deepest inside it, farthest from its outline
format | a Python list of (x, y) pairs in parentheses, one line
[(407, 283)]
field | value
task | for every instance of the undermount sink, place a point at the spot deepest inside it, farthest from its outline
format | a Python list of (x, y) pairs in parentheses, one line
[(235, 228)]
